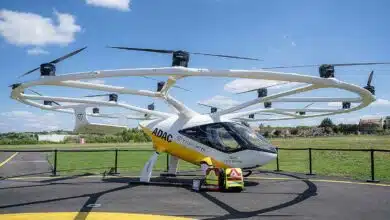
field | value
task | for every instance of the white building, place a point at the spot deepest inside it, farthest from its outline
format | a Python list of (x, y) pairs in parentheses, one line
[(54, 137)]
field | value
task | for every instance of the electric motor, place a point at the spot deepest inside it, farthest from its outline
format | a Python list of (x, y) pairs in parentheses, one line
[(326, 71), (262, 92), (113, 97), (47, 102), (180, 58), (95, 110), (370, 89), (346, 105), (267, 104), (160, 85), (48, 69)]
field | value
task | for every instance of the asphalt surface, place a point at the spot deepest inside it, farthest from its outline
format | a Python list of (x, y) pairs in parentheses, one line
[(267, 196), (25, 164)]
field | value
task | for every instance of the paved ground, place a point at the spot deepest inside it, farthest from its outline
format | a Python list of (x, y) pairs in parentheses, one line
[(24, 164), (267, 196)]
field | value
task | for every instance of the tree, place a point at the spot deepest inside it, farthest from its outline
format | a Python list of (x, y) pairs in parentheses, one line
[(326, 123)]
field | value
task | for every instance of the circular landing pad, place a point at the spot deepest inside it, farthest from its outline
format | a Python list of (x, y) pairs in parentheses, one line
[(266, 196), (84, 215)]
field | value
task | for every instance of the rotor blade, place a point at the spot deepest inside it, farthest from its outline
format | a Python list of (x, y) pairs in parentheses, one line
[(41, 95), (67, 55), (29, 72), (144, 49), (57, 60), (309, 105), (335, 64), (207, 105), (97, 95), (147, 77), (359, 64), (262, 88), (227, 56), (370, 78), (35, 92), (282, 67)]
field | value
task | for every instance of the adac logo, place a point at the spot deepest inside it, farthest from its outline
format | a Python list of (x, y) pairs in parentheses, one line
[(162, 134)]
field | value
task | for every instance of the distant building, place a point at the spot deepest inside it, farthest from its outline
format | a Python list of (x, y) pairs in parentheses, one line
[(54, 137), (387, 122), (370, 125)]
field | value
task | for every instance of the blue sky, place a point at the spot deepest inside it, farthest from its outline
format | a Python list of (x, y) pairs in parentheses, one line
[(280, 32)]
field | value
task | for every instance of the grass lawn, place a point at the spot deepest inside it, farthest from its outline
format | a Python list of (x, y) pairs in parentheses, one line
[(348, 164)]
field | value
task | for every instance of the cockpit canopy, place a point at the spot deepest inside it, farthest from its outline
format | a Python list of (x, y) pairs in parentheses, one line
[(228, 137)]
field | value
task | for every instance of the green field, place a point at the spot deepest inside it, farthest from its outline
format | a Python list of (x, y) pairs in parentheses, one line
[(348, 164)]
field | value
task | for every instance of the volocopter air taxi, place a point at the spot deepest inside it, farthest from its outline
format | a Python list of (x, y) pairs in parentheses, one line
[(221, 138)]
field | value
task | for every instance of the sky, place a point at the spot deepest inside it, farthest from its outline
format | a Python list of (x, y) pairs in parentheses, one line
[(278, 32)]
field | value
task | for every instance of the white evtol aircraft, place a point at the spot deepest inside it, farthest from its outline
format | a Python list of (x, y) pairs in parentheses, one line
[(218, 139)]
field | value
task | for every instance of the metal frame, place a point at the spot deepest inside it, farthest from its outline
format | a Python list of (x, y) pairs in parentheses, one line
[(364, 97)]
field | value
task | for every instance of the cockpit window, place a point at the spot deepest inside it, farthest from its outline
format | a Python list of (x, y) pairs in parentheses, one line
[(250, 135), (220, 137), (228, 137), (254, 138), (213, 135)]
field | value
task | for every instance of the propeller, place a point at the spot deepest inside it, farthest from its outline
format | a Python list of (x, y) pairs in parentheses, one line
[(111, 96), (147, 77), (265, 87), (335, 64), (98, 95), (173, 51), (370, 78), (213, 108), (369, 87), (57, 60), (41, 95), (302, 113)]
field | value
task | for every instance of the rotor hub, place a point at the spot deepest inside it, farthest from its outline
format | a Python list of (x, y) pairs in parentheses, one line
[(262, 92), (47, 102), (160, 85), (326, 71), (48, 69), (370, 89), (113, 97), (346, 105), (180, 58)]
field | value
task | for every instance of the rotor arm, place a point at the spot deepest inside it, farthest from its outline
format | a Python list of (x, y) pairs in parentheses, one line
[(228, 112), (96, 102)]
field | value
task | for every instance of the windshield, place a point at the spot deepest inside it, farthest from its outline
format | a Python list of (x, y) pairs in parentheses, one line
[(252, 137), (228, 137)]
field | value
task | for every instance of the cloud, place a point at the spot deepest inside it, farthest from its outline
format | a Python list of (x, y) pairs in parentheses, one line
[(220, 102), (241, 85), (21, 120), (381, 102), (36, 51), (24, 28), (121, 5)]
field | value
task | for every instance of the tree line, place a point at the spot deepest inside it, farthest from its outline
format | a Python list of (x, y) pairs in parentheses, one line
[(129, 135)]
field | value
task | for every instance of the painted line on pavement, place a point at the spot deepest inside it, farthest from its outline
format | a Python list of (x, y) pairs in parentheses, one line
[(255, 178), (8, 159)]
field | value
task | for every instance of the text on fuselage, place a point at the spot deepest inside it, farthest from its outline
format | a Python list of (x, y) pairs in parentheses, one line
[(162, 134)]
